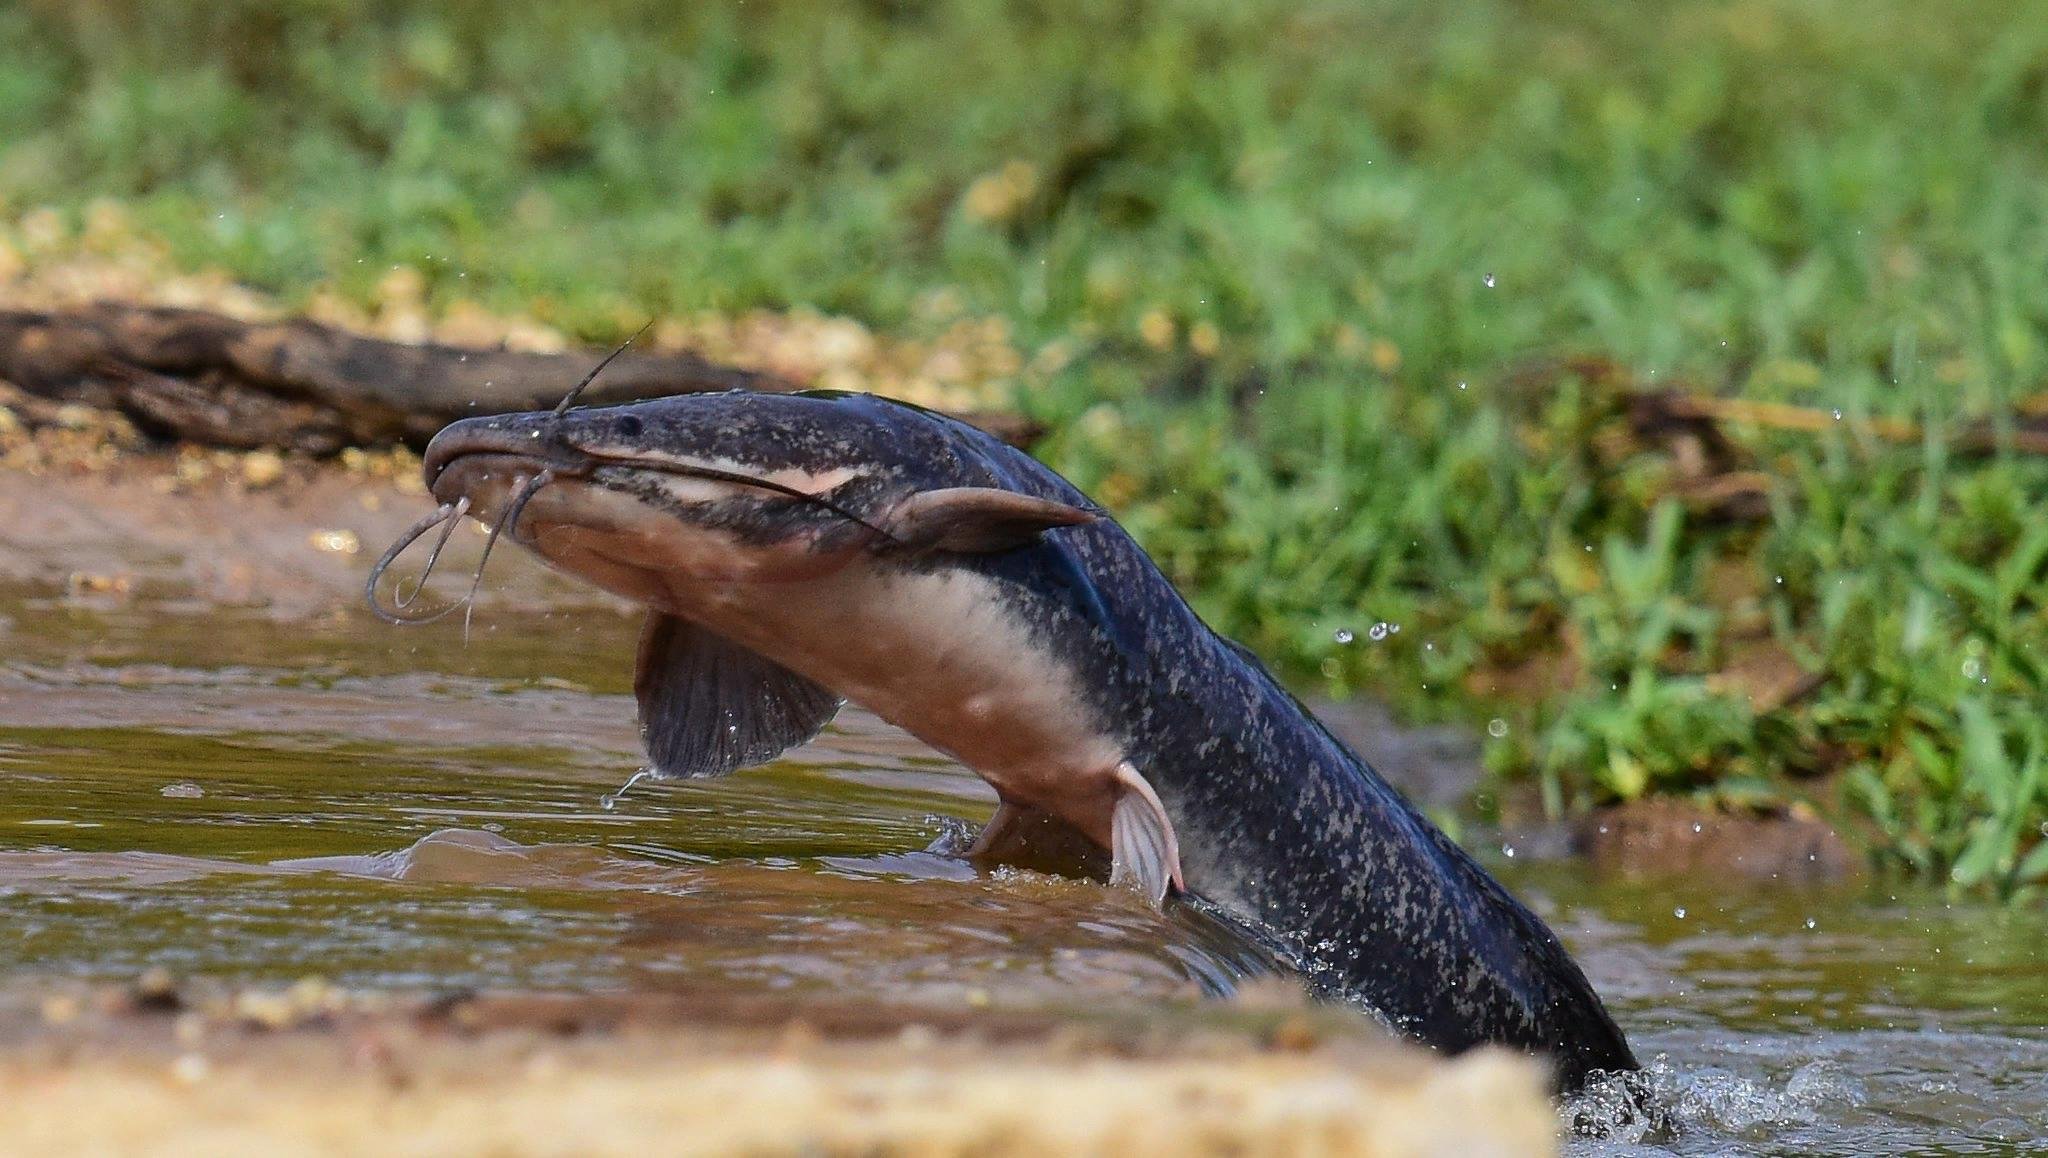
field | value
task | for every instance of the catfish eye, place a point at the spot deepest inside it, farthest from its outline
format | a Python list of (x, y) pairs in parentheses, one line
[(629, 427)]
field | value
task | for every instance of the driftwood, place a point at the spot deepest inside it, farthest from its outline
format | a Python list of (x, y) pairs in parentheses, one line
[(304, 386), (1669, 409)]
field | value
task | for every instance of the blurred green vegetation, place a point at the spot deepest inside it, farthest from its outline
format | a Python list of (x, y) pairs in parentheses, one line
[(1309, 271)]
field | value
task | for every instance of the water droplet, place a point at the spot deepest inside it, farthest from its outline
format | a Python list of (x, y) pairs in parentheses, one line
[(1496, 727), (1778, 579), (1344, 635), (182, 790), (1380, 631), (1461, 385), (1810, 922), (610, 800), (1838, 416), (1696, 826), (1507, 850), (1679, 912), (1488, 279), (1973, 668)]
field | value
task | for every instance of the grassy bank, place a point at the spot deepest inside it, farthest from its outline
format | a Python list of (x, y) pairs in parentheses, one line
[(1340, 306)]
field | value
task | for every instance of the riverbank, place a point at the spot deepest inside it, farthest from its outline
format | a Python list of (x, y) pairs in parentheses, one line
[(318, 1072)]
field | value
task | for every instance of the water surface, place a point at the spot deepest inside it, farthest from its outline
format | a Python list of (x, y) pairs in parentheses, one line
[(230, 797)]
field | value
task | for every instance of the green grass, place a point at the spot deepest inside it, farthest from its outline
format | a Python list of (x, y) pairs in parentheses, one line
[(1372, 220)]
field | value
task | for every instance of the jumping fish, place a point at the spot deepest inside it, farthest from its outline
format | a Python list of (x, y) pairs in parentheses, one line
[(797, 551)]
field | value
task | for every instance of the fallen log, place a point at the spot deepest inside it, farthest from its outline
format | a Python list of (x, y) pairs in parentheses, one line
[(303, 386)]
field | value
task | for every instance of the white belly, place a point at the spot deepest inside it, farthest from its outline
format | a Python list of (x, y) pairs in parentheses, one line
[(942, 656)]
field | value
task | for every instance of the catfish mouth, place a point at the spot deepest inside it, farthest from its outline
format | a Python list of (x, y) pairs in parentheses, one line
[(468, 475), (456, 459)]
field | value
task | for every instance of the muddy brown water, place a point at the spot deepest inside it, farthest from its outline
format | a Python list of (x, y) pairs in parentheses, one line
[(232, 797)]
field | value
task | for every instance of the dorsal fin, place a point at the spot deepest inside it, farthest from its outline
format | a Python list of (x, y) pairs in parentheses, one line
[(974, 520)]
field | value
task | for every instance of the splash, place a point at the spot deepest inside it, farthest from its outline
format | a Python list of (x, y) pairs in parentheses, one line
[(610, 800), (1661, 1102)]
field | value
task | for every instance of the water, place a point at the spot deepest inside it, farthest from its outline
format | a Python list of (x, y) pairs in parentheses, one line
[(404, 813), (229, 797)]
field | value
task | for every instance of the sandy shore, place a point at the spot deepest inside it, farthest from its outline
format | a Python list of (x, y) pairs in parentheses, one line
[(259, 1074)]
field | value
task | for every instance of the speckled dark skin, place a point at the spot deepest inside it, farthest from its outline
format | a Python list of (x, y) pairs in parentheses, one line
[(1281, 827)]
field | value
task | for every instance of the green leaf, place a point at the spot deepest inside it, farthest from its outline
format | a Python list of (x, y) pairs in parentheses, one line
[(2016, 573), (1986, 766), (1988, 845), (1626, 774)]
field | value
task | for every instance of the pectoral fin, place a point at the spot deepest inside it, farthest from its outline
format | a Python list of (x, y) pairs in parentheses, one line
[(708, 705), (1145, 852)]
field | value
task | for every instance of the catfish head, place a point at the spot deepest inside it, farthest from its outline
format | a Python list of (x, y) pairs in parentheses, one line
[(655, 500)]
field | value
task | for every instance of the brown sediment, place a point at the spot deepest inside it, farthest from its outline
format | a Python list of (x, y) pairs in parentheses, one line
[(314, 1071), (87, 517)]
